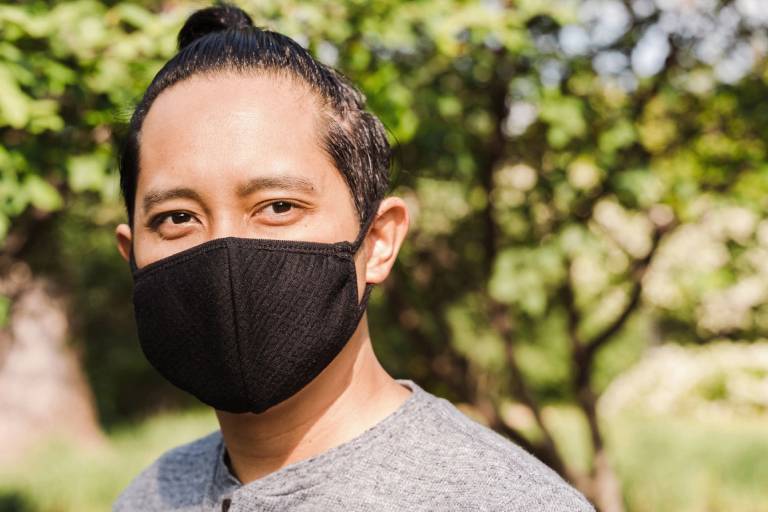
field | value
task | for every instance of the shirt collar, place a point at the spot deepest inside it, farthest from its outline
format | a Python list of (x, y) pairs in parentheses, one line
[(308, 472)]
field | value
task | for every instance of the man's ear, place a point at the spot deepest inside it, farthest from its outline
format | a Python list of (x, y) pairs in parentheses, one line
[(385, 238), (124, 238)]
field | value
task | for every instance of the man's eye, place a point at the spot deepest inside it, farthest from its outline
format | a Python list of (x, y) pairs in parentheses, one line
[(180, 217), (281, 207)]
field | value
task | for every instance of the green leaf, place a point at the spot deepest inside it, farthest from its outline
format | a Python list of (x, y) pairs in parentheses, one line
[(524, 277), (5, 224), (565, 118), (86, 172), (14, 104), (620, 135), (5, 309), (42, 194)]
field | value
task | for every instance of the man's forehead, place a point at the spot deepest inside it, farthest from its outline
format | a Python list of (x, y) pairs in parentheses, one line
[(235, 96), (247, 139)]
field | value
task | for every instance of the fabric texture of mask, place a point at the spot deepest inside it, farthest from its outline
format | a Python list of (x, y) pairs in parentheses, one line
[(243, 324)]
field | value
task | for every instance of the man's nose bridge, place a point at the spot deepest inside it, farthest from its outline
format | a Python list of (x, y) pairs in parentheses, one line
[(229, 222)]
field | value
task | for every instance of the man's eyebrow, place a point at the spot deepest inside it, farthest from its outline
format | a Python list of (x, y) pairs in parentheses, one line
[(294, 183), (154, 197)]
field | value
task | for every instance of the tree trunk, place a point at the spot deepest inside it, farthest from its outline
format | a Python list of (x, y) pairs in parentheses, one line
[(43, 392)]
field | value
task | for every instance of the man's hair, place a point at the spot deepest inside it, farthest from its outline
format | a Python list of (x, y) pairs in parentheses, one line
[(223, 38)]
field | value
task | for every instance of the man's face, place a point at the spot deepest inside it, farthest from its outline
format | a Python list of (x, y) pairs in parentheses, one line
[(234, 155)]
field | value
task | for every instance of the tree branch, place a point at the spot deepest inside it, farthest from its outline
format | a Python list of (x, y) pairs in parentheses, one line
[(501, 324), (637, 272), (492, 156)]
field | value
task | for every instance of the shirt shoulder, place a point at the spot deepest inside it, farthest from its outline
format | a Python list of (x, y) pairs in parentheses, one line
[(477, 466), (177, 481)]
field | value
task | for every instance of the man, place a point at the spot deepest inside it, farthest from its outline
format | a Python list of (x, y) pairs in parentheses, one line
[(255, 186)]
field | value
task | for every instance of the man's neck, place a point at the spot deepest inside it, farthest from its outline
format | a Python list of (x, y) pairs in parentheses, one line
[(351, 395)]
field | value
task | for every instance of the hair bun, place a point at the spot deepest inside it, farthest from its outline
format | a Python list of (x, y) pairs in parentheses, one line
[(213, 19)]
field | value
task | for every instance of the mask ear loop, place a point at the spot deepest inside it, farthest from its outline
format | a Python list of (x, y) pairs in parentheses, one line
[(132, 259), (366, 226)]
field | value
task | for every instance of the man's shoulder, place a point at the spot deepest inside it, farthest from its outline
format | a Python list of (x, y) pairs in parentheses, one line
[(177, 480), (479, 462)]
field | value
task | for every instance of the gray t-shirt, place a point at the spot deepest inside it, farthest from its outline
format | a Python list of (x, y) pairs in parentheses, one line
[(426, 455)]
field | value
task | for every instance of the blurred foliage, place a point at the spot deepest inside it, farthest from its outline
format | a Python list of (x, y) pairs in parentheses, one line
[(716, 381), (585, 178), (58, 476), (70, 74), (653, 457)]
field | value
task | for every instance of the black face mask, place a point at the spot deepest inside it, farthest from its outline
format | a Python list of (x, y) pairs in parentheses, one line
[(243, 324)]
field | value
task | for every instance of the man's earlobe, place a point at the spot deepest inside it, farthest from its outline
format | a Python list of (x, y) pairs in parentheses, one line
[(124, 238), (385, 238)]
